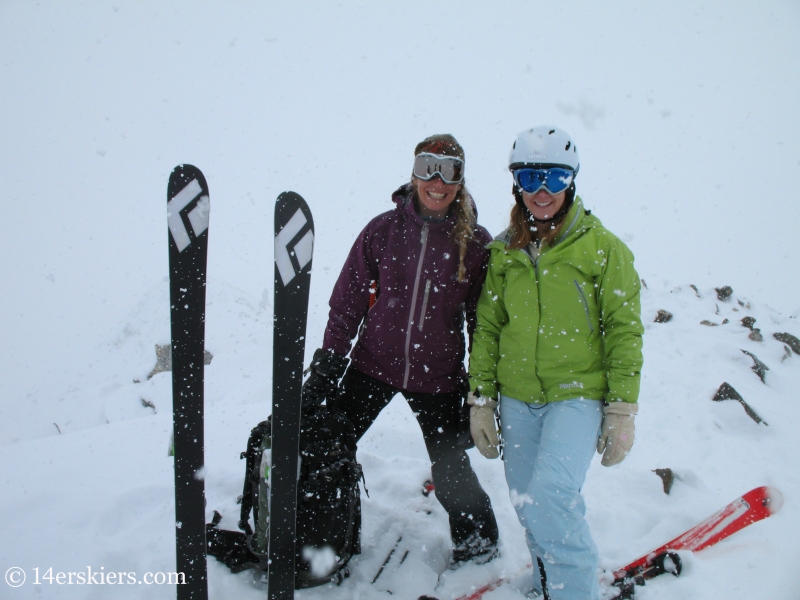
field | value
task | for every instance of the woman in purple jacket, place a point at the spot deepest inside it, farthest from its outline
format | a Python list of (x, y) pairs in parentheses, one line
[(410, 283)]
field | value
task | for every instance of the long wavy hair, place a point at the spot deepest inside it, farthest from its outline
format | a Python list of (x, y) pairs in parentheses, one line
[(524, 229)]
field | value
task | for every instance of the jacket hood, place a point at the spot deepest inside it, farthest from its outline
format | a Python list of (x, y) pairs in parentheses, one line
[(403, 194)]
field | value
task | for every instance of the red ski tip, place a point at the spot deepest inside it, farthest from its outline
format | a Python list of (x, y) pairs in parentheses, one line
[(773, 499), (756, 505)]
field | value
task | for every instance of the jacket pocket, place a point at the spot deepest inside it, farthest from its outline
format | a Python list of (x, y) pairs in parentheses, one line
[(585, 303)]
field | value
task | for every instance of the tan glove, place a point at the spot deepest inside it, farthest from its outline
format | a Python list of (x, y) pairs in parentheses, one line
[(482, 425), (616, 434)]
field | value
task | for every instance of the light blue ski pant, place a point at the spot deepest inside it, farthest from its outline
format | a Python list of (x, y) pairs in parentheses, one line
[(548, 449)]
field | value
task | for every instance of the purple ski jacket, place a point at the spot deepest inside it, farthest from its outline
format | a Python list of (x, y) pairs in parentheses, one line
[(413, 336)]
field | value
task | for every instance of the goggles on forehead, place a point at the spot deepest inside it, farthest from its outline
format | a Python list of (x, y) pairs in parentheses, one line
[(554, 179), (449, 168)]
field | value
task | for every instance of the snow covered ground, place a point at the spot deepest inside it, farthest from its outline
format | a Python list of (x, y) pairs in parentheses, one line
[(687, 117)]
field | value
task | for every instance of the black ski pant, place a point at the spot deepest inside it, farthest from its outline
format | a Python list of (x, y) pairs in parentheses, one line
[(469, 509)]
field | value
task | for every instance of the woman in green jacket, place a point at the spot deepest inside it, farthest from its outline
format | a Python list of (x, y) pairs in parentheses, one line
[(558, 344)]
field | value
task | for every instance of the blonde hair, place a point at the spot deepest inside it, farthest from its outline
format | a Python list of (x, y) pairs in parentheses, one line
[(463, 230)]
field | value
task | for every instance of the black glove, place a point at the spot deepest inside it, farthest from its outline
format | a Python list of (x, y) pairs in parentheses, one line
[(326, 369)]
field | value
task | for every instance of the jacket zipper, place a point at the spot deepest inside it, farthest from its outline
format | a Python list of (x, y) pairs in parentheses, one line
[(424, 242), (424, 305), (585, 304)]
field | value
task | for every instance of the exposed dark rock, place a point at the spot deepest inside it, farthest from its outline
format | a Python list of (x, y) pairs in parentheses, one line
[(644, 283), (726, 392), (708, 323), (667, 478), (663, 316), (724, 293), (789, 340), (696, 292), (756, 336), (748, 322), (759, 368), (787, 354), (148, 404)]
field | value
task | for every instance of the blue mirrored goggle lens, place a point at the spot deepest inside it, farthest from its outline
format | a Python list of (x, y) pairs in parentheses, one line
[(532, 180)]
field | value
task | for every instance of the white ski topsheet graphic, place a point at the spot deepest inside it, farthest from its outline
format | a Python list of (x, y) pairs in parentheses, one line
[(198, 216), (303, 249)]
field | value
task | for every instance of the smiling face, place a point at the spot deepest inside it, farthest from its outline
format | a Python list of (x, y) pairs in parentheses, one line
[(543, 205), (435, 196)]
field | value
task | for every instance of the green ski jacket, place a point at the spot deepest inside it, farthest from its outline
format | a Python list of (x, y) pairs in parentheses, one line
[(565, 324)]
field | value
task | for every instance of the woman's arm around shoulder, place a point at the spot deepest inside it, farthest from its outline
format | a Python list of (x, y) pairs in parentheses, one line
[(476, 278)]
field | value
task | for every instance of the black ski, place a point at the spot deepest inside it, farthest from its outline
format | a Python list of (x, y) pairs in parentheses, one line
[(187, 218), (294, 247)]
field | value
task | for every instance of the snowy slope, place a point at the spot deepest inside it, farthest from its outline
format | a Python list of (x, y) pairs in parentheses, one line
[(102, 496), (687, 117)]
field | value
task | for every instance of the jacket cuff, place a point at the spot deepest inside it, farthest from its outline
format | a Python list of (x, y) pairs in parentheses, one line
[(489, 390), (621, 408)]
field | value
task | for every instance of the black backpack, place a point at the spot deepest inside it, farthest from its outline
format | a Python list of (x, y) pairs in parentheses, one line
[(328, 502)]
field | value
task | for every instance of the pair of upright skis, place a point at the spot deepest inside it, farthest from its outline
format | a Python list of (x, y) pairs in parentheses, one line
[(188, 208)]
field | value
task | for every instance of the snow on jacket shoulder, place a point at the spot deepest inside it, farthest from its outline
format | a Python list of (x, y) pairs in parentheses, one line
[(566, 325), (412, 337)]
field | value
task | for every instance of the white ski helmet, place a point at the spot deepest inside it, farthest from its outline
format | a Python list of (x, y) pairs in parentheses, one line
[(544, 146)]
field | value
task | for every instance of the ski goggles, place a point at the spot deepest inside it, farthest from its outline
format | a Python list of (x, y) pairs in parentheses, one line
[(449, 168), (554, 179)]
